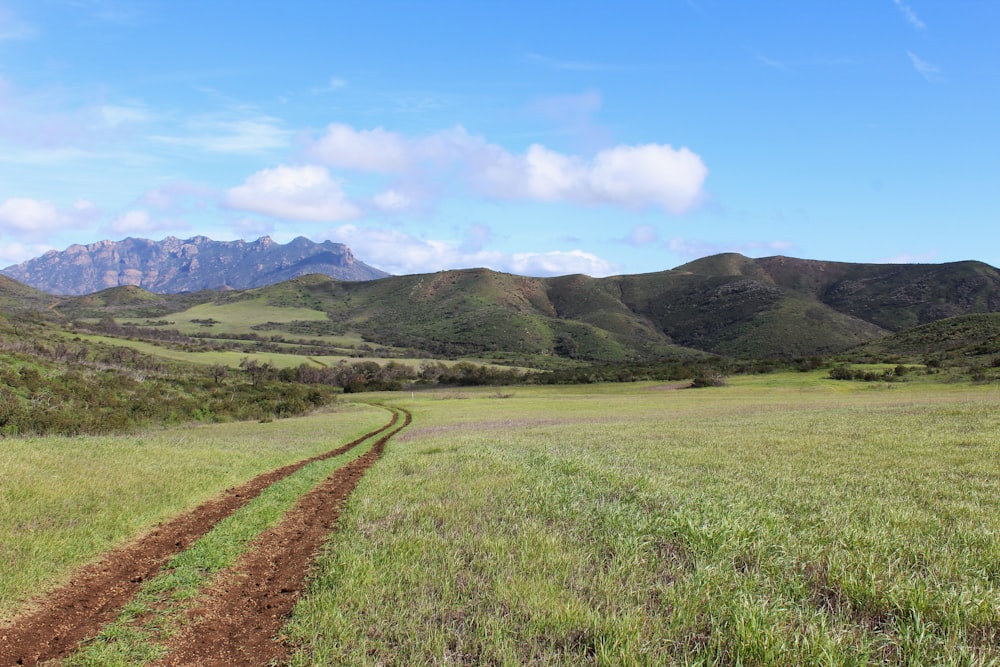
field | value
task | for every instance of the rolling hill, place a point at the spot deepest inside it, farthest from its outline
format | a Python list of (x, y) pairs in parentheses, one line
[(725, 304)]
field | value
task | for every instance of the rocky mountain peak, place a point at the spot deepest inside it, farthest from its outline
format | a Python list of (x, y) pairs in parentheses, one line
[(175, 265)]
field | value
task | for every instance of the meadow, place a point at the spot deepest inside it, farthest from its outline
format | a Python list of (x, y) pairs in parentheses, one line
[(63, 500), (778, 520)]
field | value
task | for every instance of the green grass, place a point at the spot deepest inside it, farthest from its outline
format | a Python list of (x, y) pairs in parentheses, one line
[(763, 523), (232, 359), (159, 610), (63, 501), (239, 316)]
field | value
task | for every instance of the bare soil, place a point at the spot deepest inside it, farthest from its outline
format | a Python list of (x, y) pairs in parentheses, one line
[(238, 620), (57, 622)]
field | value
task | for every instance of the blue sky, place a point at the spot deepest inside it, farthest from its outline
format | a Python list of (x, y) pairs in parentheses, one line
[(535, 138)]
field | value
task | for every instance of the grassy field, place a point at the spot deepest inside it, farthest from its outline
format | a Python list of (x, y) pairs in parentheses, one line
[(238, 317), (779, 520), (783, 519), (65, 500), (232, 359)]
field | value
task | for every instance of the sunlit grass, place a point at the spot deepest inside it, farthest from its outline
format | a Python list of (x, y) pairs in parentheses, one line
[(232, 358), (762, 523), (240, 317), (63, 501), (159, 610)]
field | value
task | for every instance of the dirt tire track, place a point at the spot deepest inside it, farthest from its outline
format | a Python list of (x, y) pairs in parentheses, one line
[(94, 595), (243, 612)]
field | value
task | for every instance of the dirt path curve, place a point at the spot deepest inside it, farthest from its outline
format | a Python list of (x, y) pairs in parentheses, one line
[(57, 622), (238, 619)]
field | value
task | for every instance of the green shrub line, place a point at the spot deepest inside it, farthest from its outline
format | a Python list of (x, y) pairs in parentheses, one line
[(157, 612)]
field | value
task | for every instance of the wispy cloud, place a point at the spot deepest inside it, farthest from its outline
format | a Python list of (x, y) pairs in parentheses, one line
[(642, 235), (122, 12), (927, 70), (911, 16), (910, 258), (771, 62), (694, 249), (13, 29), (220, 134), (332, 86), (571, 65)]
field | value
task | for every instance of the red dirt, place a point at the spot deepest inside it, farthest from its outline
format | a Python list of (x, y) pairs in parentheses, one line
[(240, 616), (94, 595)]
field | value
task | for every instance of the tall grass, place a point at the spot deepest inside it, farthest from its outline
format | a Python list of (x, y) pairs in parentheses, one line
[(755, 524), (63, 501)]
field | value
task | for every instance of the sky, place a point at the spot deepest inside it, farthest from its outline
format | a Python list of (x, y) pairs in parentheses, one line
[(537, 138)]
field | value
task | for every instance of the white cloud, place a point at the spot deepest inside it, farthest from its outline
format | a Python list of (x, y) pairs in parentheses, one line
[(649, 175), (34, 221), (15, 253), (910, 258), (136, 221), (366, 150), (559, 263), (930, 72), (22, 214), (692, 249), (392, 200), (911, 16), (400, 253), (293, 193)]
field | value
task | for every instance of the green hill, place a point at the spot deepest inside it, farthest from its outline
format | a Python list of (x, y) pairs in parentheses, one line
[(963, 340), (725, 304)]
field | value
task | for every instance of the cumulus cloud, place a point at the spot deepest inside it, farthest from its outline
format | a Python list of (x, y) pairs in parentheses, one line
[(35, 218), (305, 193), (559, 263), (132, 222), (367, 150), (392, 200), (397, 252), (630, 176)]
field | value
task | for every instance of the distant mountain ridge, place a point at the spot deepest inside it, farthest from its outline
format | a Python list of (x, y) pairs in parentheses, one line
[(174, 265)]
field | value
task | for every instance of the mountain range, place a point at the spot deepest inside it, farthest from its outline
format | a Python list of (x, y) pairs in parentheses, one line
[(174, 265), (725, 304)]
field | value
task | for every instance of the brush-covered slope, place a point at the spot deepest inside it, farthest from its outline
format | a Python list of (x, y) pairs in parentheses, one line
[(963, 339), (16, 296), (725, 304)]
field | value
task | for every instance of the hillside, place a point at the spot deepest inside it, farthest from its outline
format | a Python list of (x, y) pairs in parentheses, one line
[(174, 265), (726, 304), (966, 339)]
